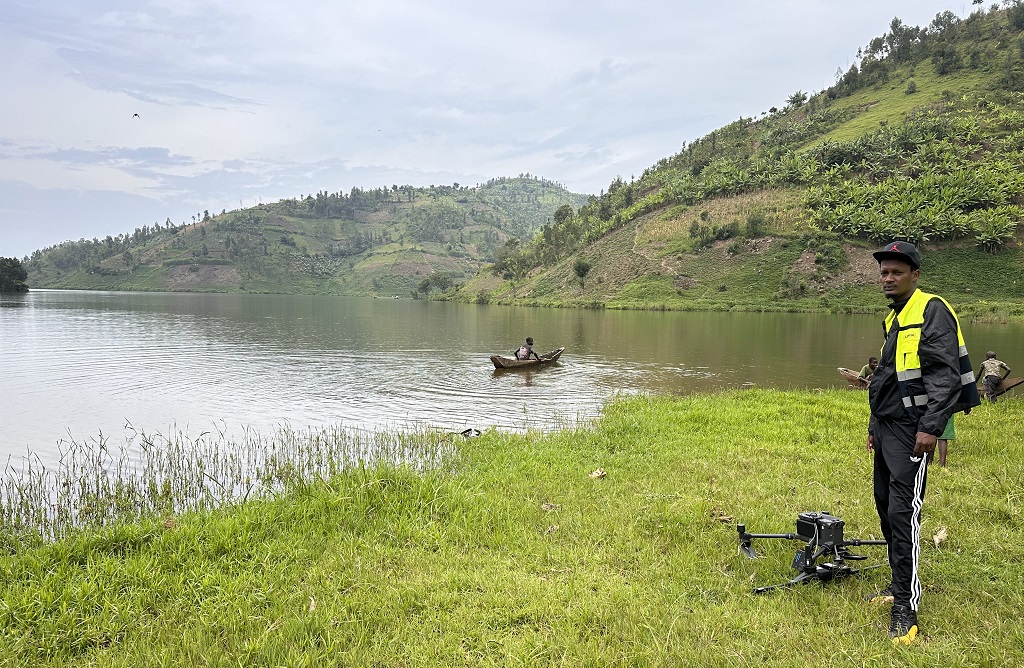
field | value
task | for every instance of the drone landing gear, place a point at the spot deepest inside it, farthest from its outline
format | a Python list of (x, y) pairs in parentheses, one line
[(833, 570)]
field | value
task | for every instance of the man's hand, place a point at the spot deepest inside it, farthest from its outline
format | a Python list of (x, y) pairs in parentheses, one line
[(925, 443), (871, 442)]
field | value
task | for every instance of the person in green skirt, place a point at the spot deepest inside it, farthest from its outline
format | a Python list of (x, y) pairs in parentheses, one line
[(948, 434)]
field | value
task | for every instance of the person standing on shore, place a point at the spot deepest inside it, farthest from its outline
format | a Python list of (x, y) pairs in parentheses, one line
[(924, 376), (947, 435), (990, 376)]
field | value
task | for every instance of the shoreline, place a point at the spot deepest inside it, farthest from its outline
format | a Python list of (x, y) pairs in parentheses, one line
[(981, 311)]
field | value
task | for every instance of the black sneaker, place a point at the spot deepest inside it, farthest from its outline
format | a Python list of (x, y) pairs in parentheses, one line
[(884, 596), (903, 628)]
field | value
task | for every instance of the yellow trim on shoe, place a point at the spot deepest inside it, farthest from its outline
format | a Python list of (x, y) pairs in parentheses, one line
[(907, 638)]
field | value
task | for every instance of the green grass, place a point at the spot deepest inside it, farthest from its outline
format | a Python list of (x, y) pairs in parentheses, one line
[(889, 103), (516, 556)]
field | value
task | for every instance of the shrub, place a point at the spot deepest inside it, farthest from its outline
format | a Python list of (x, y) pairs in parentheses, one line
[(723, 232), (757, 223), (793, 287), (828, 251), (994, 228)]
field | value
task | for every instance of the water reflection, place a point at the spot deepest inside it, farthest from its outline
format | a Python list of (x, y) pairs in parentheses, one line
[(13, 299), (82, 363)]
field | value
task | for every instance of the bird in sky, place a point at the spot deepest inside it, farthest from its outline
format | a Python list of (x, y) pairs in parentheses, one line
[(136, 116)]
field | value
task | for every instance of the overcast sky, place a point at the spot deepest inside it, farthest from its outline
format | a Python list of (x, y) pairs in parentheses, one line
[(248, 101)]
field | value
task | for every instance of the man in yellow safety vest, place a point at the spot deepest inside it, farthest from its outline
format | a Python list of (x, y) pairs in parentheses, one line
[(924, 376)]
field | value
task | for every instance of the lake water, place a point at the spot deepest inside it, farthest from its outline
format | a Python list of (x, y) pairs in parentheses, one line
[(75, 365)]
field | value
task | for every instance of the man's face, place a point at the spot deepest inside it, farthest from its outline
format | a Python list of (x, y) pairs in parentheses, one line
[(898, 279)]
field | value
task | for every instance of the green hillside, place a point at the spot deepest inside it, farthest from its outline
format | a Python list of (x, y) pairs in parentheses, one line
[(922, 139), (388, 241)]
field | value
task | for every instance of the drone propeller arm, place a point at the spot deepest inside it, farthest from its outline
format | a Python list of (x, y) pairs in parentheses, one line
[(745, 539), (742, 529), (854, 542)]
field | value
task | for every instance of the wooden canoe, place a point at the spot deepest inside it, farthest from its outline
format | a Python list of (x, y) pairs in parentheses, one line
[(1005, 386), (502, 362), (853, 378)]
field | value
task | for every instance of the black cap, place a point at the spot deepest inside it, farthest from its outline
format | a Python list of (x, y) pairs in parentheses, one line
[(900, 250)]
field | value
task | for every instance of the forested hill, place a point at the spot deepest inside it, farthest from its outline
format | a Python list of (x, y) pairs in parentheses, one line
[(396, 240), (921, 139)]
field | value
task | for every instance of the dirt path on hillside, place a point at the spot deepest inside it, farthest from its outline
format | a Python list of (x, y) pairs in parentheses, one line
[(664, 263)]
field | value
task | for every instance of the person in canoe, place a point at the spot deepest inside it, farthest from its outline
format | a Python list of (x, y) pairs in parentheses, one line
[(868, 369), (989, 374), (526, 350)]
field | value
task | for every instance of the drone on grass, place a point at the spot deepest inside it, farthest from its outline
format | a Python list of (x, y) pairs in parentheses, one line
[(823, 558)]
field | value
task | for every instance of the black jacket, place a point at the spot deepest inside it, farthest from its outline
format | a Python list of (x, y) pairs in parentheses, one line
[(939, 351)]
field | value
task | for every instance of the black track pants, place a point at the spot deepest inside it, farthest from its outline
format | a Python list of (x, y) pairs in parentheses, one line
[(899, 494)]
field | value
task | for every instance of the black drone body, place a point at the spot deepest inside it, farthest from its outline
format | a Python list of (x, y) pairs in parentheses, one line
[(823, 558)]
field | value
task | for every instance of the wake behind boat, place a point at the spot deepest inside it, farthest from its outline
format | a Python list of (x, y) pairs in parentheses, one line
[(502, 362)]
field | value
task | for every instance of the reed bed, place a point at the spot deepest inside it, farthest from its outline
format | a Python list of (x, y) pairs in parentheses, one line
[(97, 484)]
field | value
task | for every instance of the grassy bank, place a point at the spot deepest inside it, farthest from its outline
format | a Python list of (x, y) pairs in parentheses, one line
[(515, 555)]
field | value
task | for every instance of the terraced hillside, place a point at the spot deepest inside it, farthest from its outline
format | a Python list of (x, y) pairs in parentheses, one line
[(390, 241), (922, 139)]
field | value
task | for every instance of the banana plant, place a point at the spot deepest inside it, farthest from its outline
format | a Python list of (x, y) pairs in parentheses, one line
[(993, 229)]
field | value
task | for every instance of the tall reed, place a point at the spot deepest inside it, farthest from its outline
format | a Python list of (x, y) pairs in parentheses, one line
[(97, 485)]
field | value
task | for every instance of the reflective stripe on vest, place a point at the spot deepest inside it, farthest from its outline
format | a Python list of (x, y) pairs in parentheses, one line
[(908, 361)]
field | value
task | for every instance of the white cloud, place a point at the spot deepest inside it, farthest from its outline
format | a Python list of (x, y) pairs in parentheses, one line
[(262, 99)]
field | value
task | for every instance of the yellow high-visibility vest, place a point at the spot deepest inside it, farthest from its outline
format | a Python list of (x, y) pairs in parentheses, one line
[(908, 360)]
